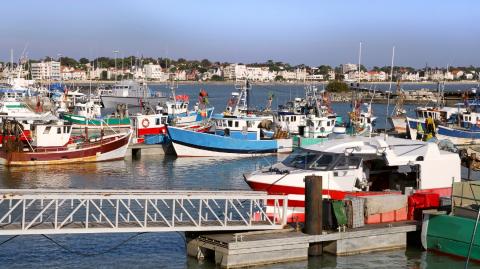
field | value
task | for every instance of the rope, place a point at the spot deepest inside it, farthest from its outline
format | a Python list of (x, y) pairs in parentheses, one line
[(9, 239), (91, 254)]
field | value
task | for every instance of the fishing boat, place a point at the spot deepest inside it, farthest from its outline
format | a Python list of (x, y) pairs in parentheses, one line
[(357, 165), (398, 119), (89, 115), (133, 94), (52, 143), (455, 233), (236, 133)]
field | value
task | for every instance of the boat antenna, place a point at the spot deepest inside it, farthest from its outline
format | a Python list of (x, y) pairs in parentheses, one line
[(389, 90)]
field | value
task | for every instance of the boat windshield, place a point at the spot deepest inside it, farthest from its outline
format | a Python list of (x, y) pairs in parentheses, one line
[(309, 160)]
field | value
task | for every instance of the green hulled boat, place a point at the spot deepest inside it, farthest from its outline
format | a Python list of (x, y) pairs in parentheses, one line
[(81, 121), (452, 233)]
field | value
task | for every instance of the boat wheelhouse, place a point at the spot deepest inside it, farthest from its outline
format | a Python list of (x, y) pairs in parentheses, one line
[(145, 125), (360, 166)]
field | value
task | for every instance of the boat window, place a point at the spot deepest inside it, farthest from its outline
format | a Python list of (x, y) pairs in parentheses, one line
[(323, 162), (59, 130), (249, 124), (47, 130), (300, 159), (164, 120), (294, 118), (157, 121), (236, 123), (341, 164), (347, 163), (230, 124), (328, 123)]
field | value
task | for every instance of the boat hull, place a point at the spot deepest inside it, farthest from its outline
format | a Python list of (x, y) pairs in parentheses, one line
[(450, 234), (110, 102), (399, 123), (111, 149), (195, 144), (458, 136)]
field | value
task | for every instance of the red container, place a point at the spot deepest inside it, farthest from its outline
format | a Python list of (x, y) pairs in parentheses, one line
[(420, 201)]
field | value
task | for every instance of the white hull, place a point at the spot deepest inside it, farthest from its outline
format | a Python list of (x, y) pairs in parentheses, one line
[(399, 124), (112, 101)]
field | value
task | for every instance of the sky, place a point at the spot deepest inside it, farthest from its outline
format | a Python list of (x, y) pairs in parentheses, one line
[(313, 32)]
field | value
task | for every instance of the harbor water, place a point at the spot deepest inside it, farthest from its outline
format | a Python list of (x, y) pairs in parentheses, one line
[(167, 250)]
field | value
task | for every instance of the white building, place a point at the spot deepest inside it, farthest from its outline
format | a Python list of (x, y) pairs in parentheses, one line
[(348, 67), (315, 77), (331, 75), (411, 76), (448, 76), (233, 71), (45, 71), (153, 72)]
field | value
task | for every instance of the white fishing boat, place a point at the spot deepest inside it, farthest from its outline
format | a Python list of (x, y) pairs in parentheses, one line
[(360, 165), (133, 94)]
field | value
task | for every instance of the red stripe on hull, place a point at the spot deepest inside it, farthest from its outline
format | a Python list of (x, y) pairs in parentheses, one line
[(334, 194), (152, 131)]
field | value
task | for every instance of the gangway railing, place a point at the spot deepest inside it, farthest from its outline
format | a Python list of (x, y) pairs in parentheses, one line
[(43, 211)]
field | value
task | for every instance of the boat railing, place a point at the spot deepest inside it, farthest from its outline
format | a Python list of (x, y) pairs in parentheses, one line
[(466, 194)]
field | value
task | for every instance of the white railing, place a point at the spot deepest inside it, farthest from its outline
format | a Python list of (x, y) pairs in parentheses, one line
[(110, 211)]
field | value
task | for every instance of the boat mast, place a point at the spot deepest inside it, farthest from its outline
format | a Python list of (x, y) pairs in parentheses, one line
[(389, 90)]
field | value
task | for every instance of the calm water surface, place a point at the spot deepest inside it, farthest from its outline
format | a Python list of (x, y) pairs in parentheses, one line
[(167, 250)]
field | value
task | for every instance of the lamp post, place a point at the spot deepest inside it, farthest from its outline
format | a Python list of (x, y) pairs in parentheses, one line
[(115, 52)]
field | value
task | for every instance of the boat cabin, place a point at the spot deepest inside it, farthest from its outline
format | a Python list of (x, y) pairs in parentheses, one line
[(292, 121), (319, 127), (239, 127), (50, 135)]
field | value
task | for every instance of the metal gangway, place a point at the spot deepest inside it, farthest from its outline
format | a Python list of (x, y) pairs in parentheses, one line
[(43, 211)]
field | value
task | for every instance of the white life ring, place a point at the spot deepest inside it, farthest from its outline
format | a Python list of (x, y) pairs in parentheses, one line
[(145, 123)]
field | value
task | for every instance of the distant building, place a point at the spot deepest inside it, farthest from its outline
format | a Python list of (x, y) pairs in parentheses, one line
[(45, 71), (234, 71), (348, 67), (331, 75), (316, 77), (153, 71), (411, 76)]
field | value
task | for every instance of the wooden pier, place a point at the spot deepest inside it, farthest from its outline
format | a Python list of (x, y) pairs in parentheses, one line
[(234, 250)]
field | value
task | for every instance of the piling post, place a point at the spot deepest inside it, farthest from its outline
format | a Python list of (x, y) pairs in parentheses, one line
[(313, 211)]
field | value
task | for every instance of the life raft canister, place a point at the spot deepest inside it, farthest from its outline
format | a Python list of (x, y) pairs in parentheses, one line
[(145, 123)]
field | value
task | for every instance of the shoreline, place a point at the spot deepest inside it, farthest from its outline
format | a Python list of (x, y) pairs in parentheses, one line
[(273, 83)]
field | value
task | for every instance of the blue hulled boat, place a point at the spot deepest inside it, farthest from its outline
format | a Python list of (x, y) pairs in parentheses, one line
[(236, 132)]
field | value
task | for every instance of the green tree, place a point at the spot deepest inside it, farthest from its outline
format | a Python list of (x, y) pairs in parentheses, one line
[(84, 61), (324, 69), (67, 61), (279, 78), (337, 86), (104, 75), (216, 78), (205, 63)]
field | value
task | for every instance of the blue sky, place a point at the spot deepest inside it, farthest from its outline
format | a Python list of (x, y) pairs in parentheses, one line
[(312, 32)]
